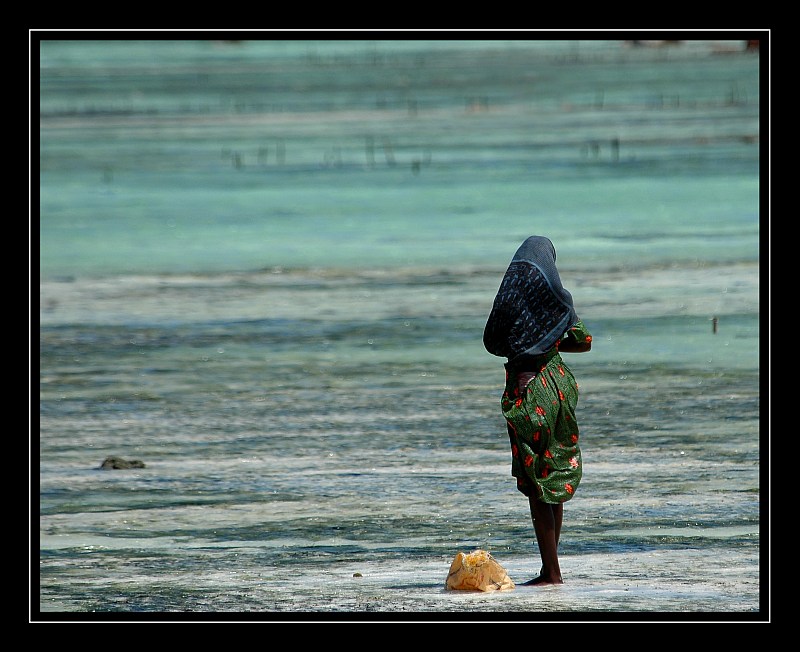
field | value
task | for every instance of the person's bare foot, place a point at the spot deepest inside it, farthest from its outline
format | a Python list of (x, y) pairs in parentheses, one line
[(543, 580)]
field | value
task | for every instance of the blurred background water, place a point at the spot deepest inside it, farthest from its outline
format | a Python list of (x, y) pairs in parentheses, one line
[(265, 266)]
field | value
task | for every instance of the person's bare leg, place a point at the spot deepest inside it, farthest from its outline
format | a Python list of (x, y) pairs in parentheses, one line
[(547, 521), (558, 518)]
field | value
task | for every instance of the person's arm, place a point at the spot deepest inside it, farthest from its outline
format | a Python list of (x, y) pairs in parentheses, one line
[(576, 340), (571, 346)]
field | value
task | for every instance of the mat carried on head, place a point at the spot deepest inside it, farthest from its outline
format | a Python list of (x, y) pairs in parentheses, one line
[(477, 571)]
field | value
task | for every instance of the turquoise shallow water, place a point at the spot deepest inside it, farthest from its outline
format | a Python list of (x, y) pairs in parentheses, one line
[(265, 269)]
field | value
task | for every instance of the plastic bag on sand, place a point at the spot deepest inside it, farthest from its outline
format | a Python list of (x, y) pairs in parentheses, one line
[(477, 571)]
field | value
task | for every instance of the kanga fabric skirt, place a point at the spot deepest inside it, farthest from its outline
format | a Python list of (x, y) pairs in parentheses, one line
[(539, 408)]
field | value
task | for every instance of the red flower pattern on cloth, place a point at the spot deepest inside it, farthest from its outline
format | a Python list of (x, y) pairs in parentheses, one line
[(546, 459)]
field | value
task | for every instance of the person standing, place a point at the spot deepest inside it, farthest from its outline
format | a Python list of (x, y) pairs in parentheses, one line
[(532, 321)]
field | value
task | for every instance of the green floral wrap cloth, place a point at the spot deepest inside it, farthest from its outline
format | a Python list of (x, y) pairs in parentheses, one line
[(539, 407)]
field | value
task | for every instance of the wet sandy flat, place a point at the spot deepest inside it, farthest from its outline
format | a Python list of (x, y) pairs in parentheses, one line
[(670, 585)]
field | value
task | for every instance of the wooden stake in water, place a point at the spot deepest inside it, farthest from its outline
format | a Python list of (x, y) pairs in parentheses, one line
[(714, 322)]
